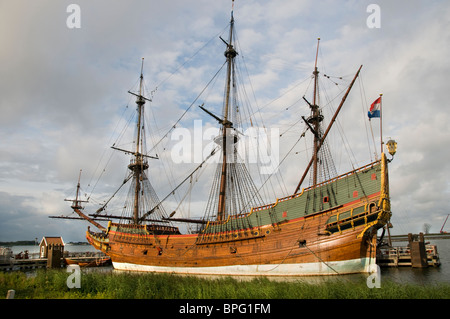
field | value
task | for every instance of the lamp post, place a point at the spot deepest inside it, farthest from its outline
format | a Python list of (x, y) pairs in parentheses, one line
[(392, 148)]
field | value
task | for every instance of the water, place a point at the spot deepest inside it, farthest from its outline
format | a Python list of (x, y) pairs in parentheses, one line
[(427, 276), (34, 249), (401, 275)]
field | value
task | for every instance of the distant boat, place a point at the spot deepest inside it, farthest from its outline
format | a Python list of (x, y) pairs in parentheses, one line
[(327, 228), (88, 262)]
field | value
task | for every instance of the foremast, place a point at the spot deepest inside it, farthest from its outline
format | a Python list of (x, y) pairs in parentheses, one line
[(138, 165)]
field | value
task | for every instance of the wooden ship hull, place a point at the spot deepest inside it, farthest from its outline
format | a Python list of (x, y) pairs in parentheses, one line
[(336, 234)]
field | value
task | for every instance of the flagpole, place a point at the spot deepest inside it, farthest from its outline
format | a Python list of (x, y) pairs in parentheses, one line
[(381, 124), (373, 140)]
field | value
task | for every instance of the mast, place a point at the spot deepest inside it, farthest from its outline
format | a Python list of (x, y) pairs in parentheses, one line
[(76, 202), (142, 197), (232, 189), (322, 139), (316, 118), (230, 54), (138, 164), (76, 206), (381, 124)]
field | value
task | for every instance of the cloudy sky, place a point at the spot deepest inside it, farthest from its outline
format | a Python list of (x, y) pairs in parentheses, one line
[(63, 92)]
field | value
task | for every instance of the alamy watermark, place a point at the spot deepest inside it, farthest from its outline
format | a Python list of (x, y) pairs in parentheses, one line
[(374, 19), (73, 21), (255, 145), (74, 280), (374, 279)]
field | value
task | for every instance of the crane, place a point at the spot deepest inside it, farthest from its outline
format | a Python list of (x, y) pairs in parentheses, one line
[(443, 232)]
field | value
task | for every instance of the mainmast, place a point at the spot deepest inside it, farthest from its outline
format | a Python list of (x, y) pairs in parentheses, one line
[(232, 190), (138, 163), (230, 54)]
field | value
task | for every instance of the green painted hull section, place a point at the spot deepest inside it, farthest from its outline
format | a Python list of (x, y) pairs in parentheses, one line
[(355, 186)]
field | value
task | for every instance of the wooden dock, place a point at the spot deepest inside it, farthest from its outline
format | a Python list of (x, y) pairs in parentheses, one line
[(432, 236), (401, 257), (34, 262), (23, 264), (417, 254)]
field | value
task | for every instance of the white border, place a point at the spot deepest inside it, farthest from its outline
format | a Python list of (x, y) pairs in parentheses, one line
[(360, 265)]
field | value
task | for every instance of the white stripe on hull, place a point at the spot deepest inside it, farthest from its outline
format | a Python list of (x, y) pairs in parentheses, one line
[(360, 265)]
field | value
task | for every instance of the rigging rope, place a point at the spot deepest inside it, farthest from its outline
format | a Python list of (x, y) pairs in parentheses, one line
[(190, 106), (189, 59), (281, 162), (363, 106)]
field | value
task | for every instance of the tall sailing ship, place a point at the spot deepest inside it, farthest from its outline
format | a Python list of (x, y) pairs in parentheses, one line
[(327, 228)]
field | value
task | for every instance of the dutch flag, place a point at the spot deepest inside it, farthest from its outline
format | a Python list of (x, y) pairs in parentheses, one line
[(374, 110)]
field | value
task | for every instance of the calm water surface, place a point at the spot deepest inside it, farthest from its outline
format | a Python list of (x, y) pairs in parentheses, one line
[(67, 247)]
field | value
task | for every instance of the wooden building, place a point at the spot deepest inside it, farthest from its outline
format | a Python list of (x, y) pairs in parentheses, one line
[(56, 243)]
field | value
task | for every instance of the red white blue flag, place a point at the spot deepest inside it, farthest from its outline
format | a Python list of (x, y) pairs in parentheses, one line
[(374, 110)]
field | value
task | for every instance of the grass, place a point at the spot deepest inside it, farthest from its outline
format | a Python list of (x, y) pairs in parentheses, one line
[(52, 284)]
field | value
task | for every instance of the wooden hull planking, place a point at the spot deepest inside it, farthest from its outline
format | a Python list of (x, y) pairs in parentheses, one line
[(337, 240)]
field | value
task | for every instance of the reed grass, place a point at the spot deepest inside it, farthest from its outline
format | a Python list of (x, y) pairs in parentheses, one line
[(52, 284)]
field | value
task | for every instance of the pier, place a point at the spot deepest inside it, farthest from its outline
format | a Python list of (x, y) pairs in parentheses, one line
[(401, 257), (432, 236), (33, 261), (23, 264), (417, 254)]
